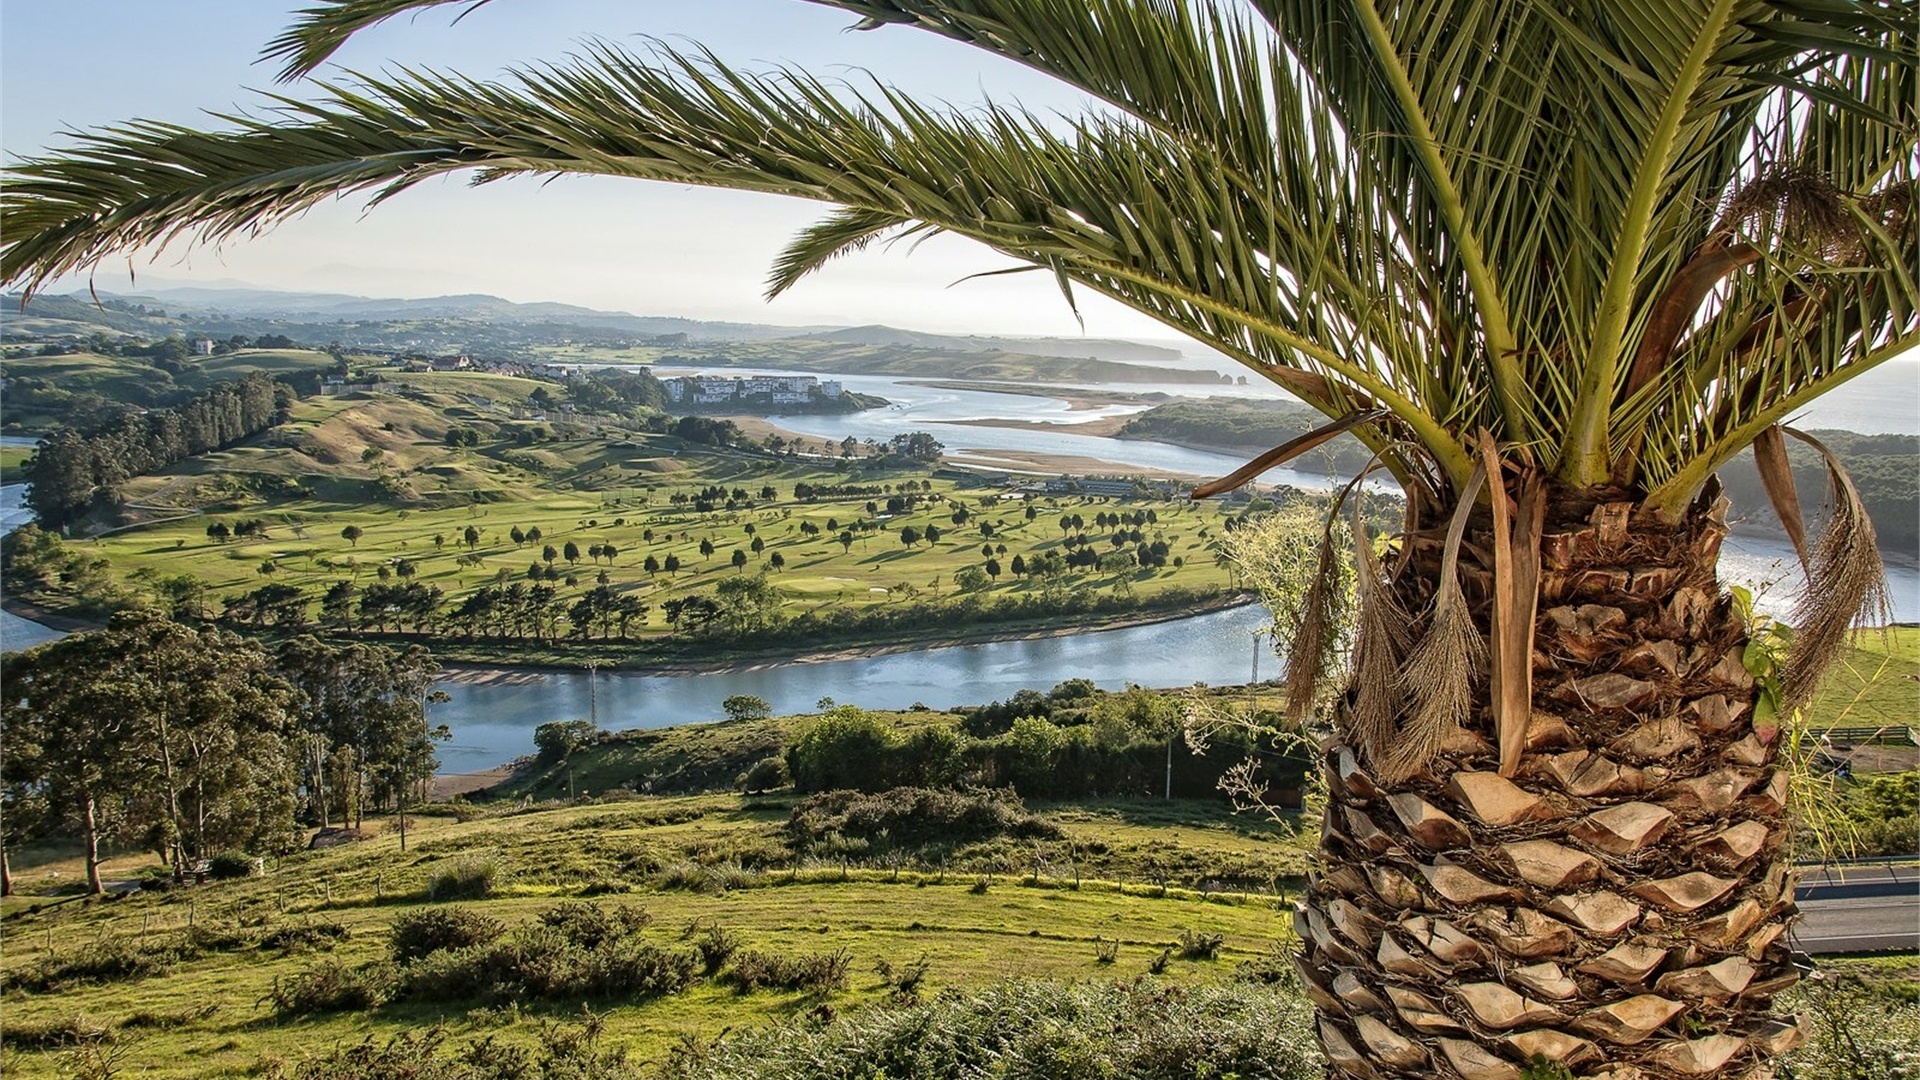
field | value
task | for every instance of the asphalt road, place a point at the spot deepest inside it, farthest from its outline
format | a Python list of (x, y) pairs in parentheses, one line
[(1859, 909)]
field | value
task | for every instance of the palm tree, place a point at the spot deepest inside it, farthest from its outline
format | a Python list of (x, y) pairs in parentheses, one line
[(1554, 263)]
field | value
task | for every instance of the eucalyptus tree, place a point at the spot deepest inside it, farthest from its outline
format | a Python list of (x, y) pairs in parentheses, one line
[(1553, 264), (154, 733)]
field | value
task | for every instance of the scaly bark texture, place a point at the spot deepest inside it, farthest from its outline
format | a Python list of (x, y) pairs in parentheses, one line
[(1618, 906)]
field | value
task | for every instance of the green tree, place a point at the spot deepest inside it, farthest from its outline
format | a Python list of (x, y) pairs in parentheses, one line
[(739, 559), (746, 707), (1560, 262), (571, 551), (352, 534)]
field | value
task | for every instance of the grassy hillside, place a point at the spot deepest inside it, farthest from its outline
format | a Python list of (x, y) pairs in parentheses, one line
[(44, 392), (685, 861), (379, 462)]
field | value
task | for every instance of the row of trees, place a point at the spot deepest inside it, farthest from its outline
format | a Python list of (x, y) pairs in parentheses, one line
[(187, 741), (70, 468), (1129, 743)]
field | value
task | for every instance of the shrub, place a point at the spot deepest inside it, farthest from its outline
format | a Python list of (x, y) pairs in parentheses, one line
[(571, 951), (1140, 1031), (590, 925), (911, 816), (905, 979), (331, 986), (55, 1034), (713, 944), (230, 866), (817, 973), (1105, 950), (430, 930), (110, 959), (466, 879), (766, 774), (561, 1052), (1199, 946), (1856, 1031)]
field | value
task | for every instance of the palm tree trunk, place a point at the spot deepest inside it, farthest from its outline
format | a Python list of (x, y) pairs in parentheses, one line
[(1618, 905)]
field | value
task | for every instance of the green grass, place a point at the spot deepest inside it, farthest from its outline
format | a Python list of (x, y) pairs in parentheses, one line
[(584, 488), (11, 460), (1874, 684), (970, 938)]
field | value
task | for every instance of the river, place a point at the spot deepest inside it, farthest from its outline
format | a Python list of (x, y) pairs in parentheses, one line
[(492, 719)]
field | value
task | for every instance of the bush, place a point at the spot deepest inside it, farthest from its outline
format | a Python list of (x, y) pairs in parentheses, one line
[(230, 866), (910, 816), (430, 930), (571, 951), (466, 879), (1856, 1031), (766, 774), (817, 973), (106, 960), (331, 986), (714, 945), (1199, 946), (1141, 1031), (562, 1052)]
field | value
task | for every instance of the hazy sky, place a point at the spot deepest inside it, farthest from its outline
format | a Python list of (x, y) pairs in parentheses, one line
[(620, 244)]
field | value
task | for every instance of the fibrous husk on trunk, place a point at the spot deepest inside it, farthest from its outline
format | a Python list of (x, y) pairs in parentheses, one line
[(1444, 664), (1845, 580), (1619, 903), (1313, 637), (1381, 639)]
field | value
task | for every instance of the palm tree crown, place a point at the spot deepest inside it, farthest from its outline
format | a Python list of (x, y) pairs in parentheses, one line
[(1555, 261)]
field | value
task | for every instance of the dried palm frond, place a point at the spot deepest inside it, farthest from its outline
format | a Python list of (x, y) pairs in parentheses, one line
[(1846, 581), (1776, 476), (1381, 638), (1315, 630), (1439, 674)]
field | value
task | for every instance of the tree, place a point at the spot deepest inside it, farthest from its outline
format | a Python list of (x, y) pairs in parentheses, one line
[(672, 565), (650, 564), (1554, 264), (747, 707), (152, 733), (571, 552), (706, 549), (352, 534), (777, 561), (739, 558), (471, 537)]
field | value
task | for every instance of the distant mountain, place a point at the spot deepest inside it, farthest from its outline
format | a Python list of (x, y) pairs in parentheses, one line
[(332, 307), (482, 323)]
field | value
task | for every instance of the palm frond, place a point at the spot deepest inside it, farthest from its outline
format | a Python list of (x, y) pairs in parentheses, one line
[(1503, 214)]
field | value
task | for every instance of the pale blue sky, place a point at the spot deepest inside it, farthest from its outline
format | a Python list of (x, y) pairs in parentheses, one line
[(626, 245)]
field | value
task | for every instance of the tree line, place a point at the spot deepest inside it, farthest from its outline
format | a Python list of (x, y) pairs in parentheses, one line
[(189, 741), (71, 469)]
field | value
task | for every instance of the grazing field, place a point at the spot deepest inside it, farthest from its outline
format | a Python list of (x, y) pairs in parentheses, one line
[(379, 487), (208, 1008)]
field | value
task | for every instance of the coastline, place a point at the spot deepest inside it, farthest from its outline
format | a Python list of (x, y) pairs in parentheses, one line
[(502, 672)]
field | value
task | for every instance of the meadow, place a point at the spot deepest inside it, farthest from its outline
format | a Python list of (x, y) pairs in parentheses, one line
[(687, 861), (365, 487)]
